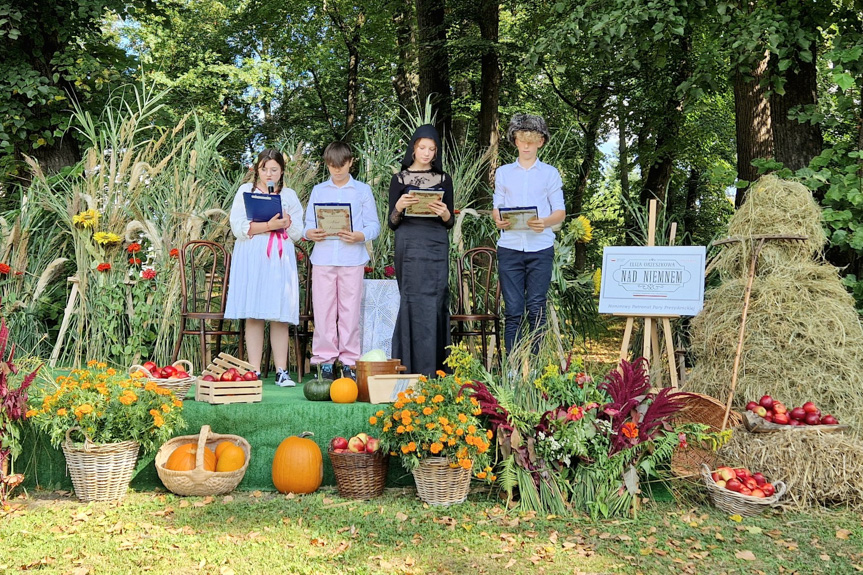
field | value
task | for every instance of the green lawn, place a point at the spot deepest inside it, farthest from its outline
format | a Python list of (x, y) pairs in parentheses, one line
[(265, 532)]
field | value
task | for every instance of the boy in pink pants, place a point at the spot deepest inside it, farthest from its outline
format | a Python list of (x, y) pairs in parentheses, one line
[(337, 264)]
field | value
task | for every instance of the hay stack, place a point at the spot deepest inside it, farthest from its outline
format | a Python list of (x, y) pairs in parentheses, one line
[(803, 341), (819, 469)]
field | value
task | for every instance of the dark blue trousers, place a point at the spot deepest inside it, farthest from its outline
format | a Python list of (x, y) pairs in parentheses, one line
[(524, 281)]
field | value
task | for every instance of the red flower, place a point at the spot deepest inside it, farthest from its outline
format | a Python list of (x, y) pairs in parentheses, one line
[(630, 430), (574, 413), (134, 262), (134, 247), (148, 274), (389, 271), (368, 269), (5, 269), (174, 253), (681, 438), (103, 267), (300, 256)]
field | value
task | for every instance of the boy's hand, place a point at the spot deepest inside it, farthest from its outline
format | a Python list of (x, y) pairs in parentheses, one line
[(405, 201), (502, 224), (536, 224), (316, 235), (440, 209), (352, 237)]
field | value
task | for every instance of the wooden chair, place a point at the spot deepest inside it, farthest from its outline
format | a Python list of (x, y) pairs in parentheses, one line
[(204, 271), (477, 310), (300, 333)]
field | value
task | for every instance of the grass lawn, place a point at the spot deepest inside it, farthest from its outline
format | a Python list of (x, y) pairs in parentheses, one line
[(266, 532)]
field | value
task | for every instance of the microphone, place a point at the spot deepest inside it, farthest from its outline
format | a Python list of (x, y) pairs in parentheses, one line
[(271, 187)]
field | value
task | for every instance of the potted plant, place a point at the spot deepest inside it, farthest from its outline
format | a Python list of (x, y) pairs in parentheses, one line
[(436, 432), (115, 415)]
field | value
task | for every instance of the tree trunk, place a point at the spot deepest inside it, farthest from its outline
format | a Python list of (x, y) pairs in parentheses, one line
[(753, 126), (622, 148), (690, 215), (591, 132), (488, 14), (434, 80), (404, 83), (796, 143), (353, 77)]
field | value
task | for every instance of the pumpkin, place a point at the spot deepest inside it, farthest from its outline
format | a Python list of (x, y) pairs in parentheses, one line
[(184, 458), (344, 390), (298, 466), (231, 458), (221, 447), (317, 390)]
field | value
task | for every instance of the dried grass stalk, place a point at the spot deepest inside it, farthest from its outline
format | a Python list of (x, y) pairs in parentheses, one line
[(820, 469)]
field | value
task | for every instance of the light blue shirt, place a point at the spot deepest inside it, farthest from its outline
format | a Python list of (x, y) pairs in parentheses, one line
[(364, 217), (539, 185)]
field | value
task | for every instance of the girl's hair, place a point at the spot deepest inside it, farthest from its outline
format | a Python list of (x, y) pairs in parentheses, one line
[(263, 158)]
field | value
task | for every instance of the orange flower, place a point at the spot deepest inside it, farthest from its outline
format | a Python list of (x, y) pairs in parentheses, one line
[(31, 413), (630, 430), (440, 373), (427, 411), (436, 447), (380, 413), (166, 408), (459, 431), (462, 417), (373, 420), (409, 428), (481, 475), (177, 402), (437, 399), (465, 463), (400, 429), (405, 449), (423, 378), (471, 428), (412, 446), (61, 412), (430, 425), (489, 434), (420, 399)]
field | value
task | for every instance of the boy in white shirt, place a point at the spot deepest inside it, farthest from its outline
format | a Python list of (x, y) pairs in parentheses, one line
[(525, 257), (338, 265)]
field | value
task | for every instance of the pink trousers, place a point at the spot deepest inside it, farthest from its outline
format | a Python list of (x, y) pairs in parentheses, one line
[(337, 292)]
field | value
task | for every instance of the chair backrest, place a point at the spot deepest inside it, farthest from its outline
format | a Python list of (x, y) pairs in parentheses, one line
[(204, 271), (478, 286), (304, 276)]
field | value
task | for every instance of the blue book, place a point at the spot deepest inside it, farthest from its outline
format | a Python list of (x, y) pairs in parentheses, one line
[(261, 207)]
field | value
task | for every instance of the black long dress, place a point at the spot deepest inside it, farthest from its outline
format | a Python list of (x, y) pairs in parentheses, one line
[(422, 330)]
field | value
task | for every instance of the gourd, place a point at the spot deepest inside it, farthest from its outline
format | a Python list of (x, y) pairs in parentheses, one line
[(317, 390), (344, 390), (184, 458), (298, 466), (231, 458)]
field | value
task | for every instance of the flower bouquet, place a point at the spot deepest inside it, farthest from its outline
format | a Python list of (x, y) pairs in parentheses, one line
[(115, 414), (436, 432)]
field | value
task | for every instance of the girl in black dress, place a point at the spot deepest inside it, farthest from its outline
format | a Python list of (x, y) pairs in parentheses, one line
[(422, 330)]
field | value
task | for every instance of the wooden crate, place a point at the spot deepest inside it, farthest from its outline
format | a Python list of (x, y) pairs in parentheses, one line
[(385, 388), (221, 392)]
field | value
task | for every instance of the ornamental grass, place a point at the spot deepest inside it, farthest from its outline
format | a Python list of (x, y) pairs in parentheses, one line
[(108, 406)]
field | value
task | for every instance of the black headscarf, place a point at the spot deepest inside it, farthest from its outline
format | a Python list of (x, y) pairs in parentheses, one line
[(424, 131)]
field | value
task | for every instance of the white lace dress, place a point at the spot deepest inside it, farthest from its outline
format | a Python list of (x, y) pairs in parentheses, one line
[(261, 285)]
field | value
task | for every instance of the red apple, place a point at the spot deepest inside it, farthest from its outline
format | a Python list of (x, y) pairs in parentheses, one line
[(766, 402), (751, 483), (726, 473), (372, 445), (758, 493), (809, 407), (250, 376), (760, 411), (745, 491), (742, 473), (798, 413), (149, 366), (340, 451), (356, 445), (812, 419), (768, 489), (751, 406), (733, 485), (715, 477), (829, 420), (182, 374), (781, 418), (169, 370), (779, 407), (208, 377), (795, 423), (769, 417), (339, 443), (759, 479), (226, 376)]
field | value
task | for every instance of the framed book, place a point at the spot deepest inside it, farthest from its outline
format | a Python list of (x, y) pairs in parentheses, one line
[(334, 218), (261, 207), (421, 209), (518, 217)]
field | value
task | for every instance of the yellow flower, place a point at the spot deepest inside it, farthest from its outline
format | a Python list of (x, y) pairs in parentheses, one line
[(471, 428), (166, 408), (92, 362), (86, 219), (373, 420), (489, 434), (581, 229), (61, 412), (420, 399), (597, 281), (430, 425), (31, 413), (177, 402), (106, 238)]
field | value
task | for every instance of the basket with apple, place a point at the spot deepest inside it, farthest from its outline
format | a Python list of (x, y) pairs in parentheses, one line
[(769, 415), (228, 380), (360, 466), (737, 490), (177, 376)]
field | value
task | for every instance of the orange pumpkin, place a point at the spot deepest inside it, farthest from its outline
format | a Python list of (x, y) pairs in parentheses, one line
[(184, 458), (344, 390), (298, 466), (231, 458)]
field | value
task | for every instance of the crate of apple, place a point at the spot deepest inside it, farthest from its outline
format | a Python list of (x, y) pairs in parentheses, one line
[(768, 414), (231, 374), (359, 443)]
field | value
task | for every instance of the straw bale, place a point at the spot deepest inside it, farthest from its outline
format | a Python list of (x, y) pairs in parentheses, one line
[(819, 469)]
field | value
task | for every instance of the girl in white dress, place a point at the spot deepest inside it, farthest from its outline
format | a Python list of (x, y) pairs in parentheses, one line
[(263, 285)]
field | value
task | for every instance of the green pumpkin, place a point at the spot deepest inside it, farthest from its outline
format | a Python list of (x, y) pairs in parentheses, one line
[(317, 390)]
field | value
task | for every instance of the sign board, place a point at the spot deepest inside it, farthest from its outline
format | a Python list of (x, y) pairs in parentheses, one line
[(652, 281)]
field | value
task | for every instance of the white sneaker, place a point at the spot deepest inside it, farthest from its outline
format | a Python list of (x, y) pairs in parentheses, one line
[(283, 379)]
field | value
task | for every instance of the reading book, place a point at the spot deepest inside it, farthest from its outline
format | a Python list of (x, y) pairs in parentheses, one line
[(334, 218), (426, 196), (518, 217), (261, 207)]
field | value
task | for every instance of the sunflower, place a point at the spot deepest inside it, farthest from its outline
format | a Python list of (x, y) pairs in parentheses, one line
[(86, 219), (106, 238)]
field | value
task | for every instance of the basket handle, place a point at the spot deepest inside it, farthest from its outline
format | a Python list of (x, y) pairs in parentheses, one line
[(135, 368), (401, 368), (88, 445), (184, 363), (780, 490)]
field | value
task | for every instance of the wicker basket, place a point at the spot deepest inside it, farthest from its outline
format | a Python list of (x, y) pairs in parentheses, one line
[(178, 386), (735, 503), (200, 481), (360, 475), (100, 472), (440, 484), (687, 462)]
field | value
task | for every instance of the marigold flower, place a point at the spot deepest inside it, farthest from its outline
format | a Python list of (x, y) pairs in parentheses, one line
[(462, 417), (489, 434), (400, 429), (459, 431), (31, 412), (174, 253), (465, 463), (481, 475), (134, 247), (422, 378), (420, 399), (373, 420), (62, 412), (430, 425), (5, 269), (437, 399), (427, 411), (380, 413), (86, 219), (630, 430), (177, 402), (436, 447), (412, 446), (92, 362), (134, 261), (409, 428), (440, 373), (166, 408)]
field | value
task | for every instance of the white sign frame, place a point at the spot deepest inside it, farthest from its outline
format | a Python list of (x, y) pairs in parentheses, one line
[(652, 281)]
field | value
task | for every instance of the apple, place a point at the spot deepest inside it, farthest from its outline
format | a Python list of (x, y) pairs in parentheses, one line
[(721, 484), (768, 489), (769, 417), (726, 473), (149, 366), (760, 411), (250, 376), (751, 406), (781, 418), (733, 485), (795, 423), (363, 436), (340, 450), (372, 445), (226, 376), (759, 479), (356, 445), (715, 477), (779, 407), (339, 443), (798, 413), (758, 493), (208, 377), (238, 377), (183, 374), (766, 402), (169, 370), (751, 483), (745, 491), (812, 419), (829, 420), (742, 473), (809, 407)]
